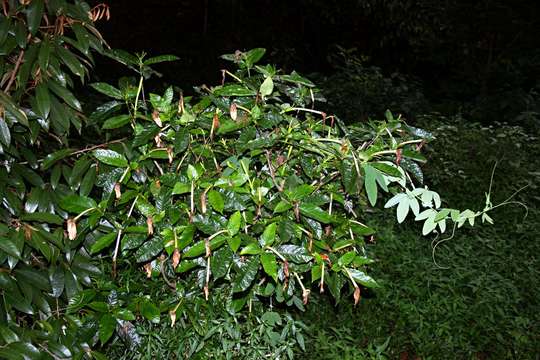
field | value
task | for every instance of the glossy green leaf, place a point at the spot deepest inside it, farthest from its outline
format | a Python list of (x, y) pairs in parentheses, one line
[(5, 133), (14, 110), (9, 246), (43, 101), (108, 90), (269, 263), (246, 274), (103, 242), (267, 87), (110, 157), (234, 90), (43, 217), (362, 278), (233, 226), (107, 325), (294, 253), (77, 204), (64, 94), (216, 201), (269, 234), (149, 311), (52, 158), (57, 280), (315, 212), (116, 122), (160, 59), (34, 13)]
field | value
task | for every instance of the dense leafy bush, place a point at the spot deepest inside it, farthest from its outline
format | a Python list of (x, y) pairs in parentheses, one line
[(45, 46), (243, 196)]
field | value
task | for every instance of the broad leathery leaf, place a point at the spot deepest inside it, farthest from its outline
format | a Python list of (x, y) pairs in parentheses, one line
[(160, 59), (44, 217), (316, 213), (181, 188), (362, 278), (267, 87), (181, 141), (413, 168), (269, 263), (123, 57), (44, 54), (9, 246), (64, 94), (347, 258), (83, 38), (43, 100), (220, 262), (246, 274), (294, 253), (233, 226), (234, 90), (58, 350), (57, 280), (192, 172), (200, 248), (107, 325), (124, 314), (116, 122), (103, 242), (294, 77), (110, 157), (299, 192), (150, 311), (19, 351), (282, 206), (34, 13), (77, 204), (254, 55), (150, 249), (8, 335), (13, 108), (252, 248), (88, 181), (108, 90), (269, 234), (216, 200), (68, 58), (51, 159), (5, 133), (386, 168)]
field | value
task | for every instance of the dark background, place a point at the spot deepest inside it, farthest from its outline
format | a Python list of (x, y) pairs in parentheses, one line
[(460, 49)]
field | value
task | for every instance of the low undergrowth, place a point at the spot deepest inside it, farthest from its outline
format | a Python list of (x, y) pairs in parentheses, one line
[(483, 300)]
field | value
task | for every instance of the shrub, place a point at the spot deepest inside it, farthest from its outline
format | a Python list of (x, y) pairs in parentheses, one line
[(45, 46), (245, 193)]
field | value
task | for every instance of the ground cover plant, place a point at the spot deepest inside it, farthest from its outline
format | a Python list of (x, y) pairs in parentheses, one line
[(483, 303)]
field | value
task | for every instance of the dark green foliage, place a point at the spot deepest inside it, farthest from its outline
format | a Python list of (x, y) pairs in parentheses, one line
[(358, 91), (45, 47), (484, 302)]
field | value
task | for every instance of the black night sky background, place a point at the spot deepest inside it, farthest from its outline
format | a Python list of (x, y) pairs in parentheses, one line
[(458, 48)]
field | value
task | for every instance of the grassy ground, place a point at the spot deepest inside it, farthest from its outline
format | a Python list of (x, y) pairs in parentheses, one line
[(483, 300)]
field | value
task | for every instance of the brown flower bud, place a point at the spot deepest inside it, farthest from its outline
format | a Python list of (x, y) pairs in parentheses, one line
[(71, 228)]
